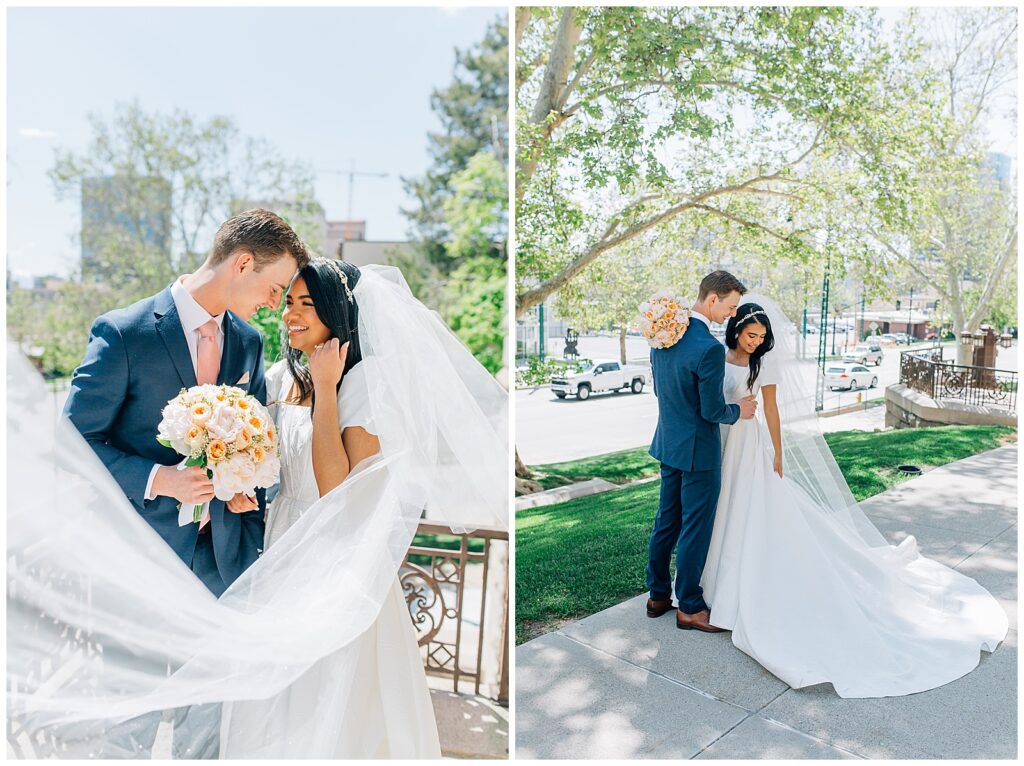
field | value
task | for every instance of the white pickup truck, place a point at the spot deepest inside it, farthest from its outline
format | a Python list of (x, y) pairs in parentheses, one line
[(604, 375)]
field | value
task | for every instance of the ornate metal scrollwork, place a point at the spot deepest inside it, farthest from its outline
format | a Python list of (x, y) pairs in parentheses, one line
[(425, 601)]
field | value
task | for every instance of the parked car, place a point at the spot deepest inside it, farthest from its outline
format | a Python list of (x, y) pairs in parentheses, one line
[(849, 376), (865, 353), (605, 375), (888, 339), (902, 337)]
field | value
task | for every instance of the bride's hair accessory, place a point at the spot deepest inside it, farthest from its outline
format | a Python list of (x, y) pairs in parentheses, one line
[(344, 278), (663, 319), (758, 312)]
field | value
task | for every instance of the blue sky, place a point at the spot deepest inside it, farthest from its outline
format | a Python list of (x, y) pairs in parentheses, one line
[(324, 85)]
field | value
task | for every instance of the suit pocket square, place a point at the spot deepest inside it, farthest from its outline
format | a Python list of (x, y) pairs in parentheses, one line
[(243, 379)]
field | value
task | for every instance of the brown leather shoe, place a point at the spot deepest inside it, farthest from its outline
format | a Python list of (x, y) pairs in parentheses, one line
[(698, 621), (659, 607)]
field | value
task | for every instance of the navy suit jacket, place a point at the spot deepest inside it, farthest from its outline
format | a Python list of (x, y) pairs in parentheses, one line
[(137, 360), (688, 381)]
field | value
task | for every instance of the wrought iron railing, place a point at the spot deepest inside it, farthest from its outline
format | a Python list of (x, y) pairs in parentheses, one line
[(928, 373), (450, 592)]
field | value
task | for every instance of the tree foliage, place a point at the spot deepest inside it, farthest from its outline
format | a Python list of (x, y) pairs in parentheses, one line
[(961, 237), (156, 187), (459, 223), (629, 117)]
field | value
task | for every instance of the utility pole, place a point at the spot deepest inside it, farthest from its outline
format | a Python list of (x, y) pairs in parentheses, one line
[(540, 326), (910, 315), (861, 335), (819, 397)]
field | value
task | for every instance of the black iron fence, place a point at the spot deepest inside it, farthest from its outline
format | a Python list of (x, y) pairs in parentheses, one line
[(927, 372), (456, 587)]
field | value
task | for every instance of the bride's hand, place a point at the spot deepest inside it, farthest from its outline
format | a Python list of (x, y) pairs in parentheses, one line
[(241, 503), (327, 363), (777, 467)]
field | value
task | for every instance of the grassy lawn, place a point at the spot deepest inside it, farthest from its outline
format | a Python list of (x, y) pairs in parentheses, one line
[(579, 557), (616, 467), (448, 542)]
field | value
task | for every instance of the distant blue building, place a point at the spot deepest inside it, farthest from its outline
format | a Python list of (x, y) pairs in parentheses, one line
[(124, 210), (1002, 167)]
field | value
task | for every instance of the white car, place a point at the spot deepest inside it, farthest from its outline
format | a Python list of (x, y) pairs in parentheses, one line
[(846, 376), (864, 353), (605, 375)]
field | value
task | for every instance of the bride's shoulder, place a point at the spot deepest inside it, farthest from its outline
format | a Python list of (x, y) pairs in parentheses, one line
[(276, 375), (353, 385)]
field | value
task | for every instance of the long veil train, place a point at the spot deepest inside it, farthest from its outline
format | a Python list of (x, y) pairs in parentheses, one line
[(105, 623)]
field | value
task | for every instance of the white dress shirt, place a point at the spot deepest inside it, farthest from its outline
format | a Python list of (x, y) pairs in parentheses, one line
[(192, 316), (701, 317)]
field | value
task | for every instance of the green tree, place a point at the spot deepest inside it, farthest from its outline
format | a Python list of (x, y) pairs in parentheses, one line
[(476, 214), (208, 169), (725, 113), (459, 224), (473, 111), (607, 294), (961, 239), (157, 187)]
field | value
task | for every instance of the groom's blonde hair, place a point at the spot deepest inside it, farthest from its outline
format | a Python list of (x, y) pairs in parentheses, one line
[(721, 283)]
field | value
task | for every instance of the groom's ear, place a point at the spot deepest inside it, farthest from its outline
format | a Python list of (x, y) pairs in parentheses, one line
[(243, 259)]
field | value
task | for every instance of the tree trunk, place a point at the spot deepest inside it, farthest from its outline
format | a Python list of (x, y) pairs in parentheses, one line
[(622, 345), (556, 77), (524, 484), (521, 470)]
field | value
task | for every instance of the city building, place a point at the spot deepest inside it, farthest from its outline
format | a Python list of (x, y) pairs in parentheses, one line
[(134, 211), (346, 240)]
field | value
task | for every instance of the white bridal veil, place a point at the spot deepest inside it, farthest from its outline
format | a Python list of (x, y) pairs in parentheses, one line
[(105, 623), (807, 458)]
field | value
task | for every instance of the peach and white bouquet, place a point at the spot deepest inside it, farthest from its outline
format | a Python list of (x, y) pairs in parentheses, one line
[(663, 319), (226, 431)]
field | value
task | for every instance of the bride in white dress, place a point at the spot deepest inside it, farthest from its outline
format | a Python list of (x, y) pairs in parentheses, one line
[(310, 652), (383, 710), (807, 585)]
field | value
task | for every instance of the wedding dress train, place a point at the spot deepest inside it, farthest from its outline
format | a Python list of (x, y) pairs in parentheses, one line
[(807, 596)]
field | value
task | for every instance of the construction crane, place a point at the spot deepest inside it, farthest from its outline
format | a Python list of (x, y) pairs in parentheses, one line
[(352, 173)]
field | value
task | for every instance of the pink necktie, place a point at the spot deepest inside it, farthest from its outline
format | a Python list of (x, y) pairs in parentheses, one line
[(208, 358), (208, 364)]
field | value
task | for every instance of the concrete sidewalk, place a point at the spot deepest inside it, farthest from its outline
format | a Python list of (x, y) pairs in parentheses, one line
[(620, 685)]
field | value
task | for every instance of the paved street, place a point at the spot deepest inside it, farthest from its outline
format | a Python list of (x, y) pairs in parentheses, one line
[(550, 430), (619, 685)]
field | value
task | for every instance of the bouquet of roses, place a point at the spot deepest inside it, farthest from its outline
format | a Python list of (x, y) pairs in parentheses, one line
[(226, 431), (663, 320)]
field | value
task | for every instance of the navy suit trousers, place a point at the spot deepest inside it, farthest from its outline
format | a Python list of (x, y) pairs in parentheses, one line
[(685, 520)]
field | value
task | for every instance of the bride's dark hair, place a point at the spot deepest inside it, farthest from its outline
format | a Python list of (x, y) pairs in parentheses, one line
[(336, 307), (745, 315)]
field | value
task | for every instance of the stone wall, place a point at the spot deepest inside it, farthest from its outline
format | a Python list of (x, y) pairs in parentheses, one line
[(907, 408)]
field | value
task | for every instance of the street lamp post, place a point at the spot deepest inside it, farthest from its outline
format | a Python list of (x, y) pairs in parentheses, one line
[(819, 396), (910, 314), (540, 328)]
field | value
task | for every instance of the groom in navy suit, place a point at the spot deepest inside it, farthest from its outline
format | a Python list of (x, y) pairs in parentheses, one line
[(140, 357), (688, 380)]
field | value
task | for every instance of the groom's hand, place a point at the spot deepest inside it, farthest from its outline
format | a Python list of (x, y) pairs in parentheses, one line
[(190, 486), (748, 407)]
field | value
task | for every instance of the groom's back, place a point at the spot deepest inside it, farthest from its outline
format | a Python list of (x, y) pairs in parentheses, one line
[(683, 438)]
